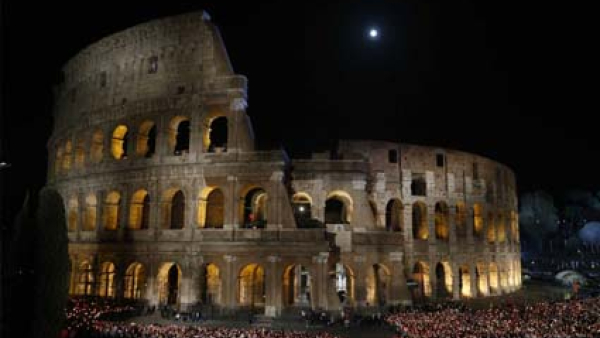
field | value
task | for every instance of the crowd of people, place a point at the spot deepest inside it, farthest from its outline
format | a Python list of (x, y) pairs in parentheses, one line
[(104, 319), (579, 318)]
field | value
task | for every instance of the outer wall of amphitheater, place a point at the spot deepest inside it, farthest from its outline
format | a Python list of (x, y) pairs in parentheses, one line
[(169, 202)]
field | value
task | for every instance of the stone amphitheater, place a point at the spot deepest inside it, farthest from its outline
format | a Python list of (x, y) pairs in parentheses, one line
[(169, 202)]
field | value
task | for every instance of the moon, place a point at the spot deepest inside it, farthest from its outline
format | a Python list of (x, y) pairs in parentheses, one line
[(373, 33)]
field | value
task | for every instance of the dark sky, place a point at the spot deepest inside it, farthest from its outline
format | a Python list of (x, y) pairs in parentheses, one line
[(508, 80)]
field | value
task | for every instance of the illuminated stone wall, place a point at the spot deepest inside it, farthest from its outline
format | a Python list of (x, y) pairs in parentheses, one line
[(162, 209)]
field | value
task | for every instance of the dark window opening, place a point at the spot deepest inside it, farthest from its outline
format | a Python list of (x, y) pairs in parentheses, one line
[(393, 156), (102, 79), (439, 158), (180, 90), (183, 138), (218, 135), (145, 213), (178, 211), (125, 145), (334, 211), (151, 142), (418, 186)]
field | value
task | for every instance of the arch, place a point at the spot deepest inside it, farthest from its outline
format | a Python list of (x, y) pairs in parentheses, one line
[(501, 229), (106, 287), (251, 286), (461, 220), (58, 160), (477, 221), (344, 283), (68, 156), (464, 278), (112, 210), (297, 285), (491, 229), (481, 279), (493, 276), (91, 207), (419, 221), (80, 153), (169, 283), (217, 135), (211, 208), (119, 142), (73, 216), (443, 275), (421, 276), (253, 207), (339, 208), (97, 146), (146, 139), (139, 212), (211, 290), (378, 285), (177, 211), (179, 135), (394, 215), (85, 279), (302, 205), (442, 216), (135, 281)]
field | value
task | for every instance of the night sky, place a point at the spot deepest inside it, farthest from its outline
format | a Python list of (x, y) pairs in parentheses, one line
[(502, 79)]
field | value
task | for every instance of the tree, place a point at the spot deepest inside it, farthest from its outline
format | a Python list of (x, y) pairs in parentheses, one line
[(51, 265), (538, 219)]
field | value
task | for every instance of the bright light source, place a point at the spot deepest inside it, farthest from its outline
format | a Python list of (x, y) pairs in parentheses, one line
[(373, 33), (301, 208)]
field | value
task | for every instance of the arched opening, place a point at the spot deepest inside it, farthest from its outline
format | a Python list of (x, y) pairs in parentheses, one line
[(338, 208), (146, 140), (477, 221), (179, 135), (139, 213), (464, 278), (501, 229), (421, 277), (442, 216), (111, 211), (302, 207), (120, 138), (106, 287), (169, 282), (211, 291), (58, 160), (80, 153), (177, 219), (85, 280), (493, 277), (461, 220), (491, 229), (217, 135), (394, 215), (91, 207), (296, 286), (73, 216), (135, 281), (97, 146), (254, 210), (215, 209), (251, 286), (344, 284), (419, 221), (378, 285), (67, 156), (443, 276)]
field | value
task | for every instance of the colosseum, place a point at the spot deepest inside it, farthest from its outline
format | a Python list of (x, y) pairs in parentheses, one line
[(168, 201)]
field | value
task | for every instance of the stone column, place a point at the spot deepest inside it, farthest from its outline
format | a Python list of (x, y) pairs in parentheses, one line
[(452, 224), (161, 145), (101, 195), (399, 293), (123, 222), (154, 221), (229, 278), (473, 277), (273, 303), (455, 281), (274, 200), (320, 281), (120, 270), (231, 220), (81, 211), (360, 287), (484, 276), (235, 124), (151, 291)]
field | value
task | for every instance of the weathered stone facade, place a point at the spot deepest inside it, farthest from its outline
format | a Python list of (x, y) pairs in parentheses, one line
[(167, 199)]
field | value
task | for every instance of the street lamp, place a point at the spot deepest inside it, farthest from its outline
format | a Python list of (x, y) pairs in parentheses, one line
[(4, 165)]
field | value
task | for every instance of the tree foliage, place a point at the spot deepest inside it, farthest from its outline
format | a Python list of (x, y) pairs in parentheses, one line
[(538, 218)]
